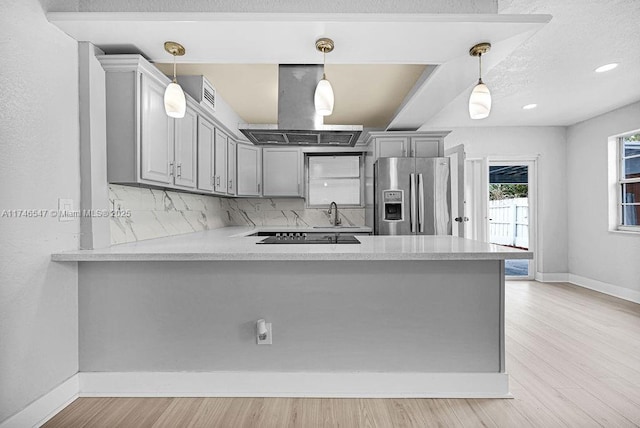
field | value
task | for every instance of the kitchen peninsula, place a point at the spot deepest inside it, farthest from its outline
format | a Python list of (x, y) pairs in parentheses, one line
[(395, 316)]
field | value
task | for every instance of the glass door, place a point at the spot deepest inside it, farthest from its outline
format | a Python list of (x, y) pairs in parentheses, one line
[(511, 212)]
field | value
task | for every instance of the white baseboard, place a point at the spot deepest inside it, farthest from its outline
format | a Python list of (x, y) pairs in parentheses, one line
[(606, 288), (304, 384), (260, 384), (592, 284), (552, 277), (45, 407)]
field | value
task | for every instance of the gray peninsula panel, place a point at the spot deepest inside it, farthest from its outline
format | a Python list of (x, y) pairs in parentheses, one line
[(327, 316)]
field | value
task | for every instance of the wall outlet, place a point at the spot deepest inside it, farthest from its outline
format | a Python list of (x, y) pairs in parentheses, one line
[(269, 339), (65, 209), (257, 207)]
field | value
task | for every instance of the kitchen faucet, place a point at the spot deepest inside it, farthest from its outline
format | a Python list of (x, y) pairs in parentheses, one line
[(336, 220)]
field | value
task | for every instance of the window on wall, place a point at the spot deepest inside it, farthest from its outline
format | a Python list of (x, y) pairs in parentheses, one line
[(629, 182), (334, 178)]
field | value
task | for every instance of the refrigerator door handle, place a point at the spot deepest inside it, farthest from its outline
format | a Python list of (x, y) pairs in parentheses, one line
[(412, 194), (421, 203)]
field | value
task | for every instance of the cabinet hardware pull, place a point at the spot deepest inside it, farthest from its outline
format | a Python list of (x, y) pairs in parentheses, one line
[(179, 170), (171, 169)]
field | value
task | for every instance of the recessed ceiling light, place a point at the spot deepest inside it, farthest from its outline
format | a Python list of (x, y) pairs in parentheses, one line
[(529, 106), (606, 67)]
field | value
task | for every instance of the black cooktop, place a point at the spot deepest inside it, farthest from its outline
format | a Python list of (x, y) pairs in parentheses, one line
[(310, 238)]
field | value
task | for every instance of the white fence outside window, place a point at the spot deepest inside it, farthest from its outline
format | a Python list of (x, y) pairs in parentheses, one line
[(509, 222)]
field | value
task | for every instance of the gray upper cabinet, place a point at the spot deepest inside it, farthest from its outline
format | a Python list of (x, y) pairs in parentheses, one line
[(185, 147), (140, 136), (406, 144), (426, 147), (144, 145), (206, 165), (156, 134), (249, 170), (391, 147), (282, 171), (220, 149), (231, 167)]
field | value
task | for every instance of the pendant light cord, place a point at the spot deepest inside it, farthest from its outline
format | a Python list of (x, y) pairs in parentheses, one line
[(174, 69), (324, 64), (480, 68)]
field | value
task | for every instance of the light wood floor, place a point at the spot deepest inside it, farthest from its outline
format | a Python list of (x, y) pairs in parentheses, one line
[(573, 356)]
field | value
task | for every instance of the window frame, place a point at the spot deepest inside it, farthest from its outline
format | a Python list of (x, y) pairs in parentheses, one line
[(360, 156), (621, 181)]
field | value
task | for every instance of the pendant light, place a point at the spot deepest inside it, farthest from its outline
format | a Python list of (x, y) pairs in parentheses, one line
[(480, 99), (175, 104), (323, 98)]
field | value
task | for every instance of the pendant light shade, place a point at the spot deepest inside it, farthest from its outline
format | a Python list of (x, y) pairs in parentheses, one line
[(323, 98), (175, 104), (480, 102), (480, 99)]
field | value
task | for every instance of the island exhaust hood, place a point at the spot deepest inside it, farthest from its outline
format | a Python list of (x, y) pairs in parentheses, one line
[(298, 122)]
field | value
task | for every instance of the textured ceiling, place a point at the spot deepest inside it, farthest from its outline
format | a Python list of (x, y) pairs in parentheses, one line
[(555, 67), (366, 95)]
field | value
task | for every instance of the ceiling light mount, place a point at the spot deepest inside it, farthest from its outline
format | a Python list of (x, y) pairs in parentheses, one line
[(324, 45), (480, 49), (174, 48)]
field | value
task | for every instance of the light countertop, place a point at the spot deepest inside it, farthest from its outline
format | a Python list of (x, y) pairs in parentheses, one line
[(233, 244)]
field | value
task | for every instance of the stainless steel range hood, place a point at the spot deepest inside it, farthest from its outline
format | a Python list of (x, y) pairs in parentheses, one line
[(298, 122)]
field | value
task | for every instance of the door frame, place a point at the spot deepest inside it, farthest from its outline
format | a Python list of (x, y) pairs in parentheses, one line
[(532, 163), (460, 218)]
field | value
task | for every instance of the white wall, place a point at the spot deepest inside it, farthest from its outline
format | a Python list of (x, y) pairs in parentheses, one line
[(550, 144), (38, 163), (594, 252)]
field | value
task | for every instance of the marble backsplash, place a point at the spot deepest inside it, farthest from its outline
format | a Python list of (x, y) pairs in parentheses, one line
[(156, 213)]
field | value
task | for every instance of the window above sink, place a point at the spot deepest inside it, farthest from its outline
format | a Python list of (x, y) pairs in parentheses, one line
[(334, 178)]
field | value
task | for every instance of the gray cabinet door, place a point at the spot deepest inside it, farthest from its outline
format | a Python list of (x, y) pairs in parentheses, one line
[(281, 172), (156, 133), (206, 138), (424, 147), (185, 149), (391, 147), (231, 167), (249, 170), (220, 148)]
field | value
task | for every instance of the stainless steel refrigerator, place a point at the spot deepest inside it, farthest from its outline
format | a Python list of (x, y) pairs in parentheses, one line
[(412, 196)]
